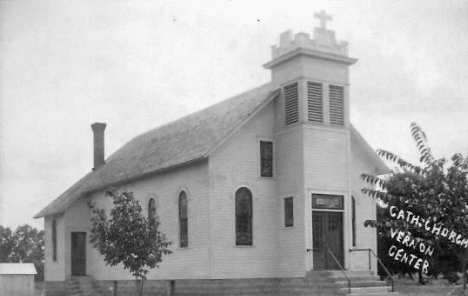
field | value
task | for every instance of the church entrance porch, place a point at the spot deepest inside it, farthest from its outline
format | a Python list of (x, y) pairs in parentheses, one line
[(78, 253)]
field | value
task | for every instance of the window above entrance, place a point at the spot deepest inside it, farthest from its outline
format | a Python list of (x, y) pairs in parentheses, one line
[(327, 201)]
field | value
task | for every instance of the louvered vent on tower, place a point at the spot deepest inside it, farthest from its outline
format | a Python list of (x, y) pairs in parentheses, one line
[(314, 102), (336, 96), (291, 103)]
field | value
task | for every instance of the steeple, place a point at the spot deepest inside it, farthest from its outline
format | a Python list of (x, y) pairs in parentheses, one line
[(315, 70), (323, 45)]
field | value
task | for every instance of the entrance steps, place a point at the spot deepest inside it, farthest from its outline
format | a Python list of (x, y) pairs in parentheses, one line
[(315, 283), (363, 283), (84, 286)]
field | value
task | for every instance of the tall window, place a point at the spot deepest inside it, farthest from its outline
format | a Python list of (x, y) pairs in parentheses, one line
[(243, 217), (266, 159), (151, 209), (353, 221), (288, 212), (183, 219), (54, 240)]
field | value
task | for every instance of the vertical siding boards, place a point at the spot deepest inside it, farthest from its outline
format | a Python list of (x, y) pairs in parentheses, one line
[(314, 101), (336, 95), (291, 103), (17, 285), (17, 279)]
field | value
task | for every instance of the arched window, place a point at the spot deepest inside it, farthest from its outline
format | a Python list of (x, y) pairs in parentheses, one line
[(244, 217), (54, 240), (183, 219), (151, 209)]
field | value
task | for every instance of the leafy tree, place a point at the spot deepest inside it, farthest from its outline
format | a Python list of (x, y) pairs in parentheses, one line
[(436, 190), (128, 237), (7, 243), (26, 244)]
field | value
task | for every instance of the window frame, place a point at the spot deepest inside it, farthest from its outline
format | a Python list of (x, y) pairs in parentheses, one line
[(150, 216), (260, 158), (250, 216), (285, 225), (183, 221), (54, 239), (341, 200)]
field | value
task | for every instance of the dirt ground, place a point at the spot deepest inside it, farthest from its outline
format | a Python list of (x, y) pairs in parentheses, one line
[(404, 288)]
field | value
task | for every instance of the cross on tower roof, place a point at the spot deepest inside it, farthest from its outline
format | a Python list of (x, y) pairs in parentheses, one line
[(323, 17)]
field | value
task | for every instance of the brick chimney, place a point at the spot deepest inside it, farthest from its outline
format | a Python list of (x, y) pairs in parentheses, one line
[(98, 130)]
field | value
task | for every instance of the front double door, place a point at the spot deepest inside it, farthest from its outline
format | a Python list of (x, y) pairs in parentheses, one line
[(327, 231)]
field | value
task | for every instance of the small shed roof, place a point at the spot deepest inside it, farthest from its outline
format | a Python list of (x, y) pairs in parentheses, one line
[(17, 268)]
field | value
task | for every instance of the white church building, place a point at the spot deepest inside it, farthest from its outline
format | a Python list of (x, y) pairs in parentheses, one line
[(264, 185)]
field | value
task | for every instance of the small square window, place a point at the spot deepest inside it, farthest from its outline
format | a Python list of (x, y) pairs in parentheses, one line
[(266, 159), (288, 212)]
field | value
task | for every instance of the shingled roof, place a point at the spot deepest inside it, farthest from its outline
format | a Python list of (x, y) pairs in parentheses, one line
[(184, 141)]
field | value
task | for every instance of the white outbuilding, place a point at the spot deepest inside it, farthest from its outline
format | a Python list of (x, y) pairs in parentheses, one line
[(17, 279)]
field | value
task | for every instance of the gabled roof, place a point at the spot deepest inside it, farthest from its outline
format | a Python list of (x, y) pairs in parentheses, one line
[(381, 167), (182, 142), (187, 140), (17, 268)]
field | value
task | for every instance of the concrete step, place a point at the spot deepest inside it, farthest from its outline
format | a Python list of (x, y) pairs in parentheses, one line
[(356, 273), (376, 294), (364, 290), (355, 279), (228, 286), (362, 283), (257, 293), (262, 291)]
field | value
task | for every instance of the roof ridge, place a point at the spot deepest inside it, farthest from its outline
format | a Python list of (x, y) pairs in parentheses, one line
[(191, 115), (168, 146)]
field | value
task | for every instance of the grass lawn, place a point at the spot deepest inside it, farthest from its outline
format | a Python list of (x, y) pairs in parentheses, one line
[(432, 288), (415, 290)]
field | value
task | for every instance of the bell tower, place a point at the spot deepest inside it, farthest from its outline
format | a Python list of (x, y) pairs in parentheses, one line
[(313, 74), (312, 141)]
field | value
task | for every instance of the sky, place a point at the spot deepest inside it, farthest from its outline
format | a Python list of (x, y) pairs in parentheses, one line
[(136, 65)]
